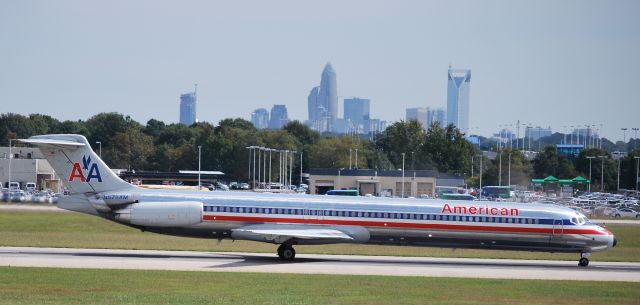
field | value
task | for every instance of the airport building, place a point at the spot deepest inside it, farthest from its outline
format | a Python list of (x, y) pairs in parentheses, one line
[(27, 164), (381, 182)]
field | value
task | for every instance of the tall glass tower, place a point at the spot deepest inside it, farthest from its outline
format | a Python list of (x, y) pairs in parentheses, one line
[(458, 85), (260, 118), (279, 117), (356, 115), (328, 97), (188, 108)]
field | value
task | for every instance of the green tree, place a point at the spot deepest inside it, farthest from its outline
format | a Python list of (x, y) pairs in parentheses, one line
[(550, 163), (404, 137), (448, 150), (132, 149)]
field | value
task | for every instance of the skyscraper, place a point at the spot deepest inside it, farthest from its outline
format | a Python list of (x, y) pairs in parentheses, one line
[(436, 115), (418, 114), (188, 108), (356, 115), (458, 85), (323, 102), (279, 117), (260, 118), (312, 104)]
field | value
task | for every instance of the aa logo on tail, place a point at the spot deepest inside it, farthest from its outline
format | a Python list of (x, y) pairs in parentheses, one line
[(90, 168)]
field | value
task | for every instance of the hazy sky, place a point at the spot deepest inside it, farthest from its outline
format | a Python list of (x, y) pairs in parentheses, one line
[(556, 63)]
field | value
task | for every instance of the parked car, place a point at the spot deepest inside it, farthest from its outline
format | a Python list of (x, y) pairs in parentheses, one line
[(244, 186), (626, 212), (17, 196), (210, 186), (221, 186)]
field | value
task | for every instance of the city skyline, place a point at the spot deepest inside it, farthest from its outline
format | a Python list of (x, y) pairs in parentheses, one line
[(544, 63)]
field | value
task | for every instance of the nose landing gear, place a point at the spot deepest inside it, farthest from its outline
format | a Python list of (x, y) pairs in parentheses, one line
[(286, 252), (584, 259)]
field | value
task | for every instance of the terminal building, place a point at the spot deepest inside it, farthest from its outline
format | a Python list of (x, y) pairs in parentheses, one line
[(381, 182), (27, 164)]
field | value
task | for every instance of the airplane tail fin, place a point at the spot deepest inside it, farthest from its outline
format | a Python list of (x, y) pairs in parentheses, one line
[(76, 164)]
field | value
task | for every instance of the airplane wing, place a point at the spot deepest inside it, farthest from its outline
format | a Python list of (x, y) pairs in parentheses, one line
[(280, 233)]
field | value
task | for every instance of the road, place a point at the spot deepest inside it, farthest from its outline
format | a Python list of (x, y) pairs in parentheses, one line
[(318, 264)]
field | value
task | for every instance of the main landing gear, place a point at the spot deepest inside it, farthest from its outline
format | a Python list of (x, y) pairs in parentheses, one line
[(584, 259), (286, 252)]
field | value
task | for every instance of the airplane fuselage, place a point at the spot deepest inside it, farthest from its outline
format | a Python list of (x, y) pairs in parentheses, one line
[(387, 221)]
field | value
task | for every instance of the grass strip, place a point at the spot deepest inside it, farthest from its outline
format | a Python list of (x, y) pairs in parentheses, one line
[(92, 286)]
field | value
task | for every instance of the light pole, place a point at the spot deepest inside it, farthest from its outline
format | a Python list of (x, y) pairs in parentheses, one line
[(539, 137), (635, 129), (637, 167), (480, 175), (509, 177), (199, 163), (10, 158), (350, 158), (602, 173), (624, 137), (499, 168), (301, 152), (99, 149), (402, 175), (356, 158), (572, 131), (249, 175), (529, 135), (619, 161), (270, 150), (259, 167), (291, 167), (590, 158)]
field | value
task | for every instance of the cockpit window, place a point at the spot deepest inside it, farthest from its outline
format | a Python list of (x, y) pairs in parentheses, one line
[(580, 219)]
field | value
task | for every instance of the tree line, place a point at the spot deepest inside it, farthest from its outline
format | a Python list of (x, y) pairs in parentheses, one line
[(156, 146)]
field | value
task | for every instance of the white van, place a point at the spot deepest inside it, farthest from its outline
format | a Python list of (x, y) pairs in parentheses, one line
[(30, 187), (14, 186)]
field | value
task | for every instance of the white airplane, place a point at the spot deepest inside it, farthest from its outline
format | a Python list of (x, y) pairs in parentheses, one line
[(289, 220)]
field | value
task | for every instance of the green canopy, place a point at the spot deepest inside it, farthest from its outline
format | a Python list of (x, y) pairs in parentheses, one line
[(580, 180), (552, 180)]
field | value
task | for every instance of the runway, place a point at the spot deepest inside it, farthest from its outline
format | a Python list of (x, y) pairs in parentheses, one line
[(317, 264)]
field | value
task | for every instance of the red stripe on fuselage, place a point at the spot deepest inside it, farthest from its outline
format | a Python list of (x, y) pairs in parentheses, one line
[(409, 225)]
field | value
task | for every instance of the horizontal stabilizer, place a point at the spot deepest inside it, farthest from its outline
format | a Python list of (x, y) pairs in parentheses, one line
[(52, 142)]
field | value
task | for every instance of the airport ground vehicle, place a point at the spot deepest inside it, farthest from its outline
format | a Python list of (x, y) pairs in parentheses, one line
[(299, 219)]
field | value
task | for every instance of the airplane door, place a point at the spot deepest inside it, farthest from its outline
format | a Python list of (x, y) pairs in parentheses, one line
[(557, 229)]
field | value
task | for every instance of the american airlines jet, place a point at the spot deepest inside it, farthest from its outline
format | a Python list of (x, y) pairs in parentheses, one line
[(288, 220)]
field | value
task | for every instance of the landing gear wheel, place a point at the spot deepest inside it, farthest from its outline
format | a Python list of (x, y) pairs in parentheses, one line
[(286, 252), (583, 262)]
